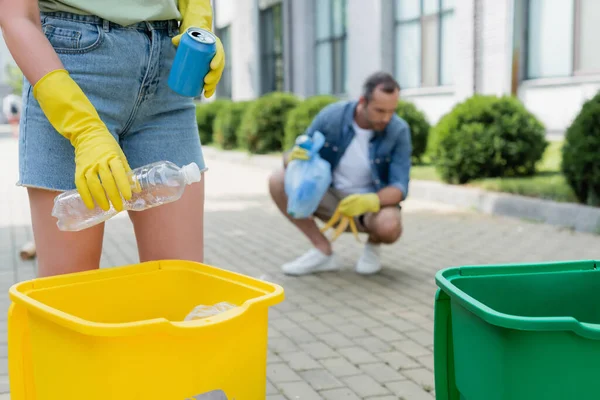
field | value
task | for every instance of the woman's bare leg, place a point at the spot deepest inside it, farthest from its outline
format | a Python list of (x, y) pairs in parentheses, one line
[(61, 252), (173, 231)]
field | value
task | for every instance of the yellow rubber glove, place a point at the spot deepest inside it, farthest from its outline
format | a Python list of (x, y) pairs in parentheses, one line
[(298, 153), (359, 204), (350, 207), (344, 222), (101, 168), (199, 14)]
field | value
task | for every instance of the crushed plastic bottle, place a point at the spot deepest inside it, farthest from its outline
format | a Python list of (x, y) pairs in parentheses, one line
[(159, 183), (203, 311)]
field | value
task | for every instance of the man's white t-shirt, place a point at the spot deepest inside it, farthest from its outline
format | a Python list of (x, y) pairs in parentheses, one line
[(353, 172)]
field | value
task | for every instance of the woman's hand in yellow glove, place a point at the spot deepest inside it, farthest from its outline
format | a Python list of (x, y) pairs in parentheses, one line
[(101, 168), (198, 14)]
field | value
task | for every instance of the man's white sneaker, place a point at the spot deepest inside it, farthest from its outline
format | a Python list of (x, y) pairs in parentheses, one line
[(312, 261), (370, 261)]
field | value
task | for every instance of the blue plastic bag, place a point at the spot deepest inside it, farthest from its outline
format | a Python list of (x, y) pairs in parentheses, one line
[(307, 181)]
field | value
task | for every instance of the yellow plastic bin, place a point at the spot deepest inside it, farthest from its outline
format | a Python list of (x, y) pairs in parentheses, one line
[(119, 333)]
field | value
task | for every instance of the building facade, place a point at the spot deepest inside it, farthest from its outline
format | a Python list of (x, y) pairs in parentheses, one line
[(441, 51)]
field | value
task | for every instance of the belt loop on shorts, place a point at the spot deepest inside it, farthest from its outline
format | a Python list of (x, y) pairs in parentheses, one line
[(106, 25)]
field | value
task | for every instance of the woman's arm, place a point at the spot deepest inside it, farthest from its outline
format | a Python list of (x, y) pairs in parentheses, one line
[(22, 31), (101, 168)]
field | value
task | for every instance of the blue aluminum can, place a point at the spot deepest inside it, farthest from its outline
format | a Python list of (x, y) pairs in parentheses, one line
[(192, 62)]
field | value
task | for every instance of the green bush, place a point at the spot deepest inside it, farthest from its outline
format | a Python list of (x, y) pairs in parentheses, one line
[(205, 117), (419, 128), (262, 127), (580, 153), (301, 117), (487, 136), (227, 123)]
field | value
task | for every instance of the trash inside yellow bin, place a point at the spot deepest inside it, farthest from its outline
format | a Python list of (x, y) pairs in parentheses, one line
[(119, 333)]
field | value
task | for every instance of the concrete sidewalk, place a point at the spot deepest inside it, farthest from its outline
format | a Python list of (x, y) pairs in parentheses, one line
[(337, 335)]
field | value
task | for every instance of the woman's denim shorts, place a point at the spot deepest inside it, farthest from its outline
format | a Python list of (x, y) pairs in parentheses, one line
[(124, 73)]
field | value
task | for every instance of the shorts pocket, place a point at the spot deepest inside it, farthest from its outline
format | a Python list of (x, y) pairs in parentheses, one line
[(71, 36)]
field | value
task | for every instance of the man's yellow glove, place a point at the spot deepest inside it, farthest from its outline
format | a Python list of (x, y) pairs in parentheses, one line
[(101, 168), (198, 14), (359, 204), (350, 207)]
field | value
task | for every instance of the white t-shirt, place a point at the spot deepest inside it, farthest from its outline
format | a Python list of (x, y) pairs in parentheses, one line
[(353, 172)]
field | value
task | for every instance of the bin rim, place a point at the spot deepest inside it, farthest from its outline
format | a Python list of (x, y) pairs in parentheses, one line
[(18, 294), (445, 277)]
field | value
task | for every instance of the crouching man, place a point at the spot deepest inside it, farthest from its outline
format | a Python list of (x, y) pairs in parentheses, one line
[(369, 149)]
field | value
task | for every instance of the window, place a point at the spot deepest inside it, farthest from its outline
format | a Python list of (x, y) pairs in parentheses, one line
[(271, 45), (330, 49), (561, 38), (224, 85), (424, 42)]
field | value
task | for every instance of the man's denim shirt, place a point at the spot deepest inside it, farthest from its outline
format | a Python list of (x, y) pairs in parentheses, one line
[(390, 150)]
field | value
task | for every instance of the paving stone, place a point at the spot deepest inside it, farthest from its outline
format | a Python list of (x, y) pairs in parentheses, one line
[(373, 344), (316, 309), (421, 336), (299, 317), (283, 324), (299, 390), (382, 372), (317, 327), (273, 358), (300, 335), (340, 367), (336, 340), (300, 361), (398, 360), (411, 348), (318, 350), (351, 331), (281, 372), (426, 361), (273, 332), (365, 386), (421, 376), (339, 394), (282, 345), (381, 398), (330, 302), (271, 389), (333, 319), (347, 312), (4, 384), (408, 390), (357, 355), (366, 322), (387, 334), (321, 379)]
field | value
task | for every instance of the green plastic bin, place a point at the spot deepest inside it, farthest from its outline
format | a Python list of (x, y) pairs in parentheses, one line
[(518, 332)]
